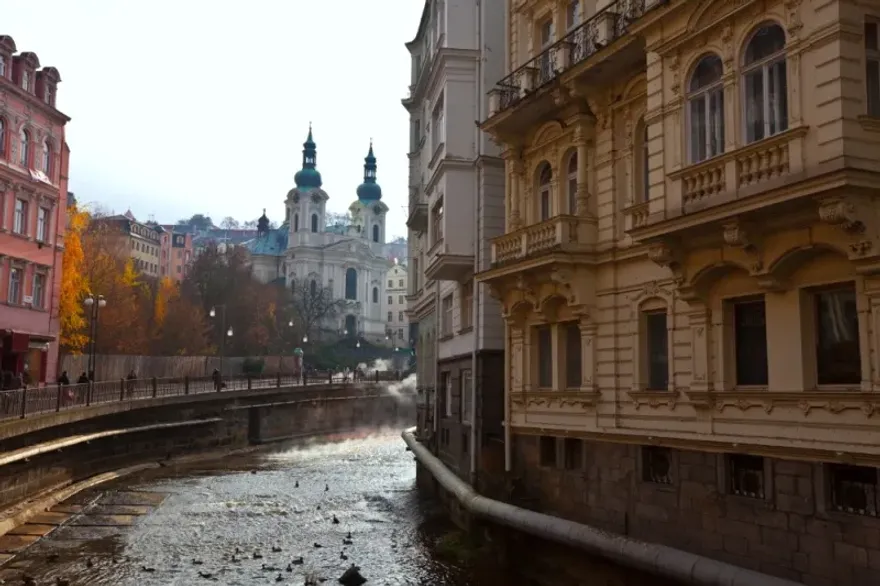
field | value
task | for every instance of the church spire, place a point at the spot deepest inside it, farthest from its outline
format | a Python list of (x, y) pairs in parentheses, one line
[(309, 176), (369, 190)]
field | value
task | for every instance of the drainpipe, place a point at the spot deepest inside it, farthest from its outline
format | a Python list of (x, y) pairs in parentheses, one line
[(436, 356), (475, 312), (680, 566), (506, 378)]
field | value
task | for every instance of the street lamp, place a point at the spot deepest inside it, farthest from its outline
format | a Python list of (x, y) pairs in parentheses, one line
[(358, 345), (305, 339), (213, 313), (93, 303)]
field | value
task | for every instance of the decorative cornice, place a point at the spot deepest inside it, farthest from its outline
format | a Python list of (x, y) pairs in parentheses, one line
[(654, 399), (831, 401), (560, 399)]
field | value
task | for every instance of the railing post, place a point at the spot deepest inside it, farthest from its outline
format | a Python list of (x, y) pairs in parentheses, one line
[(330, 377), (186, 385), (377, 375), (155, 384), (58, 398), (249, 382), (23, 401), (278, 379), (121, 390), (89, 392)]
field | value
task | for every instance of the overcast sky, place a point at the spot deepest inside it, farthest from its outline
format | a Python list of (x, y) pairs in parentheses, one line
[(199, 106)]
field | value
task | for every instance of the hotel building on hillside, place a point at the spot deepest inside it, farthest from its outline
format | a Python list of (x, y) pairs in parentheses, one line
[(690, 274), (456, 204)]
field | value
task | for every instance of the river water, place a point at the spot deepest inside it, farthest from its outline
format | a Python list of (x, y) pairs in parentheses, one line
[(203, 524)]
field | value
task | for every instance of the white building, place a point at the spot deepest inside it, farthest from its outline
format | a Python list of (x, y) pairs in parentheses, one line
[(396, 319), (456, 204), (348, 256)]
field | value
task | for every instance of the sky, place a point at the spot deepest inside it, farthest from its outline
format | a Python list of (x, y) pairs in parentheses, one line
[(198, 106)]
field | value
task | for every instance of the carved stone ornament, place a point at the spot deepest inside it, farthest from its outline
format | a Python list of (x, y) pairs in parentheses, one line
[(556, 400), (841, 212), (654, 399), (727, 43), (793, 15), (835, 403), (674, 66)]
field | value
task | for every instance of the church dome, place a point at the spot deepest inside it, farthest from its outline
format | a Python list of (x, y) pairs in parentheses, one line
[(308, 176), (369, 190)]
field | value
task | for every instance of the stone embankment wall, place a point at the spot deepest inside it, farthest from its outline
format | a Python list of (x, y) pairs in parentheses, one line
[(38, 455)]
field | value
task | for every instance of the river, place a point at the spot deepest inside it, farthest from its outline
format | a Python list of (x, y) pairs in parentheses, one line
[(246, 519)]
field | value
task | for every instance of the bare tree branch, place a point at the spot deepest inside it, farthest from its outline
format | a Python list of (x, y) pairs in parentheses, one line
[(312, 305)]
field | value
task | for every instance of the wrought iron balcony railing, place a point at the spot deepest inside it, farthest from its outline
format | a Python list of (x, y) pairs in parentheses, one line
[(585, 40)]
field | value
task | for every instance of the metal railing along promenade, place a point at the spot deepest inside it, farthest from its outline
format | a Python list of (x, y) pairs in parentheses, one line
[(30, 401)]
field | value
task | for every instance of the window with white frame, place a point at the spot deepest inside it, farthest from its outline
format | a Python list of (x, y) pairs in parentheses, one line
[(467, 305), (39, 291), (42, 224), (765, 83), (437, 222), (26, 80), (572, 183), (706, 109), (19, 221), (16, 278), (2, 136), (438, 127), (872, 67), (546, 66), (545, 178), (447, 392), (446, 316), (46, 162), (24, 149), (467, 397)]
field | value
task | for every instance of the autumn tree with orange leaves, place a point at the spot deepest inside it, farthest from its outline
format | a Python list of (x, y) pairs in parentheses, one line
[(74, 284)]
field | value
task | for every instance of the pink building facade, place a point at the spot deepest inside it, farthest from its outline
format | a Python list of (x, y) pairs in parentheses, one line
[(33, 215), (176, 254)]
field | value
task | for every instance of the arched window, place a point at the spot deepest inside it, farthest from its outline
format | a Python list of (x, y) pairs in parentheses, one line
[(24, 147), (572, 183), (313, 288), (643, 183), (765, 84), (314, 222), (296, 222), (544, 178), (2, 66), (351, 284), (375, 295), (2, 136), (46, 162), (375, 232), (706, 109)]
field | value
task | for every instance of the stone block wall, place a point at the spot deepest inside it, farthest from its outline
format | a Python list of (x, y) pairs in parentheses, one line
[(788, 532)]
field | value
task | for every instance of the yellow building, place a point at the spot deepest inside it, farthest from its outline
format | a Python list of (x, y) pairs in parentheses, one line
[(690, 274)]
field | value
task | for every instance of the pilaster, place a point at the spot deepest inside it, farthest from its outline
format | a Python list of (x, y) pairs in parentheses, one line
[(700, 321), (588, 330)]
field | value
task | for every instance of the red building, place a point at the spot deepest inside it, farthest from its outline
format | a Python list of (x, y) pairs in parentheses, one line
[(33, 214), (176, 253)]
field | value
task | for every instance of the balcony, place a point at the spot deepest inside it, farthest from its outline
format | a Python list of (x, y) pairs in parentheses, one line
[(418, 211), (566, 60), (563, 234), (444, 265), (752, 177)]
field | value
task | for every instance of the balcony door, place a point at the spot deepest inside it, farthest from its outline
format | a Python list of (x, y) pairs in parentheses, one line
[(545, 61)]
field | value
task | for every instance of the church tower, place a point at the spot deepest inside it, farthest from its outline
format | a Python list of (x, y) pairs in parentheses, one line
[(369, 203), (306, 203)]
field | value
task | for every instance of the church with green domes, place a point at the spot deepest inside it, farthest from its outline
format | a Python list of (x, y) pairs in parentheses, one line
[(348, 256)]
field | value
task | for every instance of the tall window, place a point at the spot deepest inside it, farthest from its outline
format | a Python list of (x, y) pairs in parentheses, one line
[(42, 224), (2, 66), (764, 83), (657, 347), (546, 65), (544, 179), (399, 316), (26, 80), (24, 154), (643, 183), (351, 325), (39, 293), (838, 361), (313, 288), (446, 316), (467, 397), (750, 340), (314, 222), (706, 109), (573, 14), (872, 67), (545, 357), (573, 356), (296, 222), (572, 183), (438, 126), (15, 281), (375, 232), (19, 223), (375, 295), (467, 305), (2, 136), (351, 284), (447, 388), (390, 316), (437, 222), (46, 161)]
